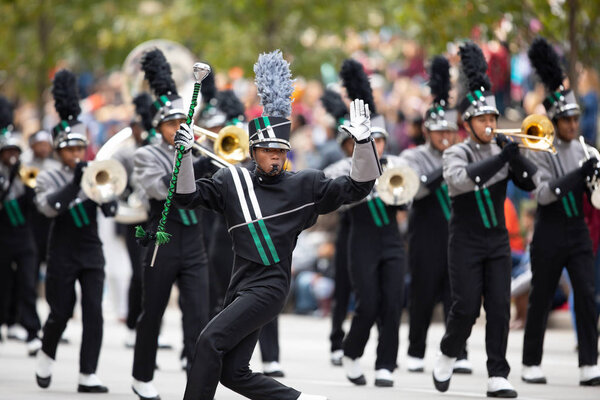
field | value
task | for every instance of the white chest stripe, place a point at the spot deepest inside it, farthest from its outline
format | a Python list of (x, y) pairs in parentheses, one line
[(240, 192), (252, 194)]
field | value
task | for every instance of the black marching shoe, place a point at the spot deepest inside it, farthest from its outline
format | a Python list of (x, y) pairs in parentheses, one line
[(92, 389), (442, 372), (589, 375), (354, 371), (500, 387), (90, 383), (43, 382), (384, 378)]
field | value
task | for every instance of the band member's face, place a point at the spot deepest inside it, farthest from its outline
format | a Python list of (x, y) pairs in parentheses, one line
[(270, 160), (41, 149), (71, 155), (441, 140), (380, 145), (567, 128), (480, 124), (168, 129), (10, 156)]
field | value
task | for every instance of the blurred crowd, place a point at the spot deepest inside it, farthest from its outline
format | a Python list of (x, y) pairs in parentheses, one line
[(398, 73)]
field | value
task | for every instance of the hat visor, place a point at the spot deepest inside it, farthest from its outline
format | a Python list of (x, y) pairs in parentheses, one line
[(283, 144), (172, 116)]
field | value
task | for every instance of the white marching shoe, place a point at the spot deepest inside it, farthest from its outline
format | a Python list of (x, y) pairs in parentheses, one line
[(384, 378), (43, 369), (145, 390), (463, 367), (90, 383), (336, 357), (589, 375), (415, 364), (354, 371), (304, 396), (273, 369), (442, 372), (16, 332), (533, 374), (501, 388), (33, 346)]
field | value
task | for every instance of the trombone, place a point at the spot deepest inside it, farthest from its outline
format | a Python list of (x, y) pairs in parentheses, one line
[(230, 145), (536, 133)]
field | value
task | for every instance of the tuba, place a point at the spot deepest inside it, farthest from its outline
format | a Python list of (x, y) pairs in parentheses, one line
[(536, 133), (397, 185)]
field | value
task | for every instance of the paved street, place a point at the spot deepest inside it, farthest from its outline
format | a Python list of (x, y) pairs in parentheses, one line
[(304, 348)]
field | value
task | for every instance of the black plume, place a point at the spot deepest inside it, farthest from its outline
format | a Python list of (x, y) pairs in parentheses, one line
[(439, 79), (546, 63), (356, 82), (208, 88), (157, 72), (66, 96), (334, 105), (474, 67), (229, 103), (6, 112), (143, 104)]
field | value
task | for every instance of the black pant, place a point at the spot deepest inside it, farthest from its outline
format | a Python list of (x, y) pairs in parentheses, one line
[(19, 286), (378, 278), (479, 265), (553, 248), (343, 287), (60, 293), (136, 257), (177, 261), (224, 348), (269, 341)]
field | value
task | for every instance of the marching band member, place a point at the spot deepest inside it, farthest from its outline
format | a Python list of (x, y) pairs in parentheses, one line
[(335, 106), (16, 238), (183, 259), (428, 220), (74, 248), (265, 209), (376, 270), (476, 172), (561, 237), (224, 108)]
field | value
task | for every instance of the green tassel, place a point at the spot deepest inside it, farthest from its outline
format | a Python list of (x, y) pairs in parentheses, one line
[(162, 238), (139, 232)]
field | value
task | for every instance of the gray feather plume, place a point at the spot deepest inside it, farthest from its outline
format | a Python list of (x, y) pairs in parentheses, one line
[(274, 84)]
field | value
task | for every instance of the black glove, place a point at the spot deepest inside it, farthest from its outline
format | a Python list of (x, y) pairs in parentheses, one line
[(502, 140), (589, 168), (433, 179), (109, 209), (61, 199), (481, 171), (509, 151), (78, 172)]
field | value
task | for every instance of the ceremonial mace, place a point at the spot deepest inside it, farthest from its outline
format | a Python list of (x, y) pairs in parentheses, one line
[(201, 71)]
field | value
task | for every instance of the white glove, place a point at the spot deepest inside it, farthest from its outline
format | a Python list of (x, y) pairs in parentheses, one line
[(360, 121), (184, 137)]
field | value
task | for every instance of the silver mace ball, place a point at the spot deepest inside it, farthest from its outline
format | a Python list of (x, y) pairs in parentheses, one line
[(201, 71)]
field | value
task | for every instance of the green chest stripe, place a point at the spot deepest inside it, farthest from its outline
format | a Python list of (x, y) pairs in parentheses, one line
[(80, 218), (488, 200), (441, 197), (184, 217), (484, 217), (258, 244), (376, 218), (75, 217), (573, 204), (193, 217), (570, 206), (9, 212), (83, 213), (16, 208), (267, 237), (381, 207)]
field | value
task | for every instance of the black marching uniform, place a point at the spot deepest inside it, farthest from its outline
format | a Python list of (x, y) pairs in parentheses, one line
[(264, 214), (18, 245), (478, 248), (561, 238)]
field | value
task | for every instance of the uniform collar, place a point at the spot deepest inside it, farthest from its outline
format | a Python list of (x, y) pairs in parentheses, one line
[(265, 179), (166, 146), (429, 147), (478, 146)]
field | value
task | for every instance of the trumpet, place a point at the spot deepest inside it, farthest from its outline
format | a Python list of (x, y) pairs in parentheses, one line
[(593, 184), (230, 145), (536, 133), (397, 185), (104, 181), (28, 175)]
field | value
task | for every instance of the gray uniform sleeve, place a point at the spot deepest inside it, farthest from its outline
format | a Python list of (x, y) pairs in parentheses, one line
[(45, 186), (543, 193), (365, 162), (148, 173), (411, 158), (455, 171), (186, 182)]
